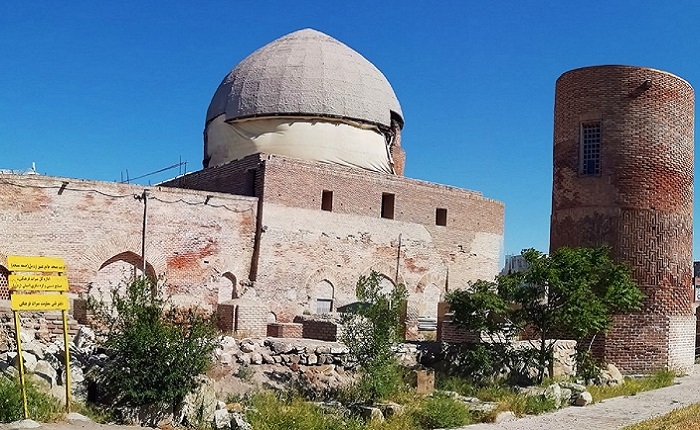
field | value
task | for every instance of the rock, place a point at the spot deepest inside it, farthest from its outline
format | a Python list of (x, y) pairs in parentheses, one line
[(294, 358), (268, 359), (197, 409), (29, 361), (323, 349), (504, 417), (235, 407), (312, 359), (281, 347), (34, 348), (337, 350), (611, 375), (225, 359), (238, 422), (222, 420), (583, 399), (553, 392), (155, 415), (256, 358), (46, 371), (390, 409), (574, 387), (566, 395), (247, 347), (244, 359), (228, 342), (85, 338), (74, 416), (220, 405), (26, 335), (369, 413)]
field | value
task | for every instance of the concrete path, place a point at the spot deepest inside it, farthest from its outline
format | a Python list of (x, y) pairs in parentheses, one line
[(611, 414)]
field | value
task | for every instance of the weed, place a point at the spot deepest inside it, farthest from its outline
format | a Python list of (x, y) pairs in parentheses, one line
[(42, 406), (632, 386)]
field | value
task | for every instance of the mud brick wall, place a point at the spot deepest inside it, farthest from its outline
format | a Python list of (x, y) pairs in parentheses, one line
[(640, 204)]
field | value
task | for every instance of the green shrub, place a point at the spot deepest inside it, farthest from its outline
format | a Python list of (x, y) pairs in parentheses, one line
[(440, 411), (42, 406), (156, 350), (371, 329), (270, 412), (587, 367)]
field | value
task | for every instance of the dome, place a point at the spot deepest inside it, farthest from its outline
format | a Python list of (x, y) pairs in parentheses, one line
[(306, 73)]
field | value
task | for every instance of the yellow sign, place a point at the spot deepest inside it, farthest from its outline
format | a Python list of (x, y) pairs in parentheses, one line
[(20, 263), (39, 302), (37, 283)]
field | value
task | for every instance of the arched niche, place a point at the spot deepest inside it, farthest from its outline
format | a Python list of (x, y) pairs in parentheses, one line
[(429, 302), (228, 287), (119, 270)]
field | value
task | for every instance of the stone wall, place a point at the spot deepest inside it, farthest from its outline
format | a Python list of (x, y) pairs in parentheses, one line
[(640, 204), (200, 243)]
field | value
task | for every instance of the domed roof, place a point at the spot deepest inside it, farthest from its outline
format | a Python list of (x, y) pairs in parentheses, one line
[(306, 73)]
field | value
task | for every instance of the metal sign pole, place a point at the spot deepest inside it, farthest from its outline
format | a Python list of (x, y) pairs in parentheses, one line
[(67, 358), (20, 359)]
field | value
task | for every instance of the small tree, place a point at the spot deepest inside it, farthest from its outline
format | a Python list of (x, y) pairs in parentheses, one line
[(156, 350), (575, 291), (371, 329)]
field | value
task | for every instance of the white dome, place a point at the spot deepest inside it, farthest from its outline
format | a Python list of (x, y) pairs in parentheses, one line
[(306, 73)]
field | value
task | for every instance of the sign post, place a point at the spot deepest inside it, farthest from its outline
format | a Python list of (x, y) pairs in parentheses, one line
[(45, 275)]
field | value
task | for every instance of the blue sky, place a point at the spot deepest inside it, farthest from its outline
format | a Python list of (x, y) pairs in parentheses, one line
[(92, 89)]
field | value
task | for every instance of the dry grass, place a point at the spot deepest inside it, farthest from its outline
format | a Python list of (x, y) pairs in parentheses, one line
[(631, 387), (687, 418)]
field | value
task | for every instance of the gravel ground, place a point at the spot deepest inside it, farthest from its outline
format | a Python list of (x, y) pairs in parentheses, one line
[(611, 414)]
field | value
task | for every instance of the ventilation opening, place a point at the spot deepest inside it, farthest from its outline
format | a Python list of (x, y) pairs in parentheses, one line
[(327, 201), (388, 200), (440, 216)]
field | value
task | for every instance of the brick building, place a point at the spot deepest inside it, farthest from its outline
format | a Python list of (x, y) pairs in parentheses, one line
[(302, 192), (623, 177)]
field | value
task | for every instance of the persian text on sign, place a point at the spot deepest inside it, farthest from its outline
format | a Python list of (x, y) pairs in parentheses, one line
[(37, 283), (20, 263), (39, 302)]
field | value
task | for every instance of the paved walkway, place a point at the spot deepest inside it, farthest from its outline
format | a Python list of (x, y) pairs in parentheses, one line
[(611, 414)]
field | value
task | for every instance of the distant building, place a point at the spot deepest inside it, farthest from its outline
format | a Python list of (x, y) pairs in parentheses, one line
[(514, 263)]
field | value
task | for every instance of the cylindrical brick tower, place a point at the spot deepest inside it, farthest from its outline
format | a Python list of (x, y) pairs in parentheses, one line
[(623, 177)]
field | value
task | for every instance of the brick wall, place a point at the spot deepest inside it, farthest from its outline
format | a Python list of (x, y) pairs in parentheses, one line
[(319, 328), (192, 239), (640, 204), (285, 330), (243, 318)]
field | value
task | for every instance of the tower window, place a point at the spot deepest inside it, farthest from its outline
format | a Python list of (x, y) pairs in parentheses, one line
[(590, 148), (327, 201), (440, 216), (388, 205)]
